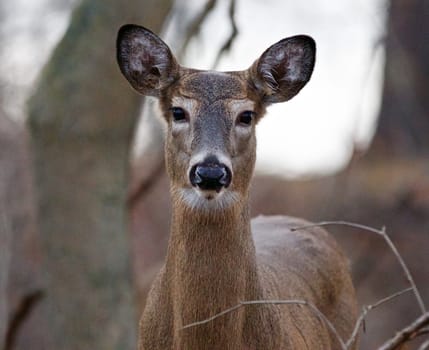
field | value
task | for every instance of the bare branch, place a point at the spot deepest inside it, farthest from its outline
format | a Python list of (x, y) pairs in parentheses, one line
[(389, 298), (20, 315), (234, 32), (212, 318), (367, 309), (195, 26), (5, 258), (134, 194), (344, 223), (422, 331), (407, 333), (312, 307), (424, 346), (389, 242)]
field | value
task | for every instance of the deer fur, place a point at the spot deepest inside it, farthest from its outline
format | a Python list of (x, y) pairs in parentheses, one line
[(217, 256)]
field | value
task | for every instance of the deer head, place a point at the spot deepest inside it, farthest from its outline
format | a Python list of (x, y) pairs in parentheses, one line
[(211, 116)]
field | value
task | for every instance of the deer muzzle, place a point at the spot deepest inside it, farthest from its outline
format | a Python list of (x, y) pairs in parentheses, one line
[(210, 176)]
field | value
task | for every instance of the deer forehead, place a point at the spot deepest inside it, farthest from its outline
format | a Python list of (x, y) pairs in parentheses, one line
[(210, 86), (224, 93)]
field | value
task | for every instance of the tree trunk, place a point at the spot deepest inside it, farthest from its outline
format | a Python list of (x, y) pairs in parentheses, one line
[(403, 127), (81, 119), (5, 234)]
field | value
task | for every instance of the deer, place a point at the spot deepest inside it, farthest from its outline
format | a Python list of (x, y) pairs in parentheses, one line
[(217, 257)]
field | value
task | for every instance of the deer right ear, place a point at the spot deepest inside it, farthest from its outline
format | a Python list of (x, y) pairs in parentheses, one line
[(284, 68), (145, 60)]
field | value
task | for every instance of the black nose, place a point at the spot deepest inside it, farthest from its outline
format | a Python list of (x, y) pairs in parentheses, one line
[(210, 176)]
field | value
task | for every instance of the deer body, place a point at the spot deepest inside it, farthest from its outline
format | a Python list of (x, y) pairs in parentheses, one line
[(217, 257)]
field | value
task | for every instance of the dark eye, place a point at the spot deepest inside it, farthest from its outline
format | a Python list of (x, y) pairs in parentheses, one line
[(179, 115), (245, 118)]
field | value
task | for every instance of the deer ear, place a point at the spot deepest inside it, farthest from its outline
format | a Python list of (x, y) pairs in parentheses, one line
[(145, 60), (284, 68)]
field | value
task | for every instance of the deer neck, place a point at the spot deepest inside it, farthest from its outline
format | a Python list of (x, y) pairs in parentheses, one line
[(211, 265)]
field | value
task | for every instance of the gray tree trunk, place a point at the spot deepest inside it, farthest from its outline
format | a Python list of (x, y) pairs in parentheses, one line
[(5, 241), (81, 119), (403, 126)]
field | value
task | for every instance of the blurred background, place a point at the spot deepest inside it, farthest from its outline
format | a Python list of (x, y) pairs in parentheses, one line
[(84, 204)]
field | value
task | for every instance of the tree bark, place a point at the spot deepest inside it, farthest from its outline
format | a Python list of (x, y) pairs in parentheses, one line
[(403, 126), (81, 119), (5, 237)]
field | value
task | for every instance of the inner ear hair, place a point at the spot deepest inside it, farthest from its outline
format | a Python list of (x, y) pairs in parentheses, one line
[(284, 68), (145, 60)]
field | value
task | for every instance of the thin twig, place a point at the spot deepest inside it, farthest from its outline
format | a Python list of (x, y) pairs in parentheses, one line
[(389, 242), (344, 223), (423, 331), (145, 185), (424, 346), (367, 309), (312, 307), (212, 318), (406, 271), (406, 333), (6, 235), (195, 26), (234, 32), (20, 315)]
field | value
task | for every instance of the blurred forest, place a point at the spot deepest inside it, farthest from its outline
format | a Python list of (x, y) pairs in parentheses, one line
[(84, 226)]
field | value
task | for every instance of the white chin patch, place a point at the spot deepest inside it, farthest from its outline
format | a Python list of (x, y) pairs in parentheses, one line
[(196, 199)]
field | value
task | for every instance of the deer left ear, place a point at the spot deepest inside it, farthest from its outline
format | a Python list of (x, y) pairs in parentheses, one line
[(284, 68)]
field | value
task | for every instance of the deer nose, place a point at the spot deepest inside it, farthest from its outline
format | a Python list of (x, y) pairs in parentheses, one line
[(210, 176)]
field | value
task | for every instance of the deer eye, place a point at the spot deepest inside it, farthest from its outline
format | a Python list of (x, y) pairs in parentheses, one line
[(245, 118), (179, 115)]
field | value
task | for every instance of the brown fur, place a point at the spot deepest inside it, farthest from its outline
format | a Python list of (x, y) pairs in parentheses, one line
[(217, 256)]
